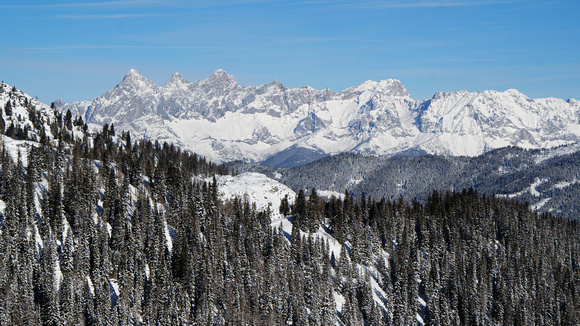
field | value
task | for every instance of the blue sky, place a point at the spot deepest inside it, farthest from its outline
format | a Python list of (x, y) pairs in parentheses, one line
[(77, 50)]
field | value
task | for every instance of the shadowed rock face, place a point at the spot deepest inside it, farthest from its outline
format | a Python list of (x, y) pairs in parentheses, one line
[(218, 118)]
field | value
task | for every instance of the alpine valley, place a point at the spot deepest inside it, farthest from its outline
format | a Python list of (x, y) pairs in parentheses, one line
[(285, 127)]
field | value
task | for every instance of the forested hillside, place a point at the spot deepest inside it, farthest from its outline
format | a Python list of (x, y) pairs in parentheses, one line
[(548, 179), (98, 229)]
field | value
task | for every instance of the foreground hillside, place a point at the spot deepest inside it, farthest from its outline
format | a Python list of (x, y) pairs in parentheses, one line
[(83, 244), (99, 229)]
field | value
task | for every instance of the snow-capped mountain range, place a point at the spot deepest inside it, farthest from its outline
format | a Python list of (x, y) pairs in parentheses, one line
[(224, 121)]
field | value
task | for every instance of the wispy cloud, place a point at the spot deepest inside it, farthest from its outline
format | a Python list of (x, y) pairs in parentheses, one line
[(314, 39), (112, 16), (225, 3), (98, 46), (465, 60), (381, 43), (137, 3), (87, 4), (423, 4)]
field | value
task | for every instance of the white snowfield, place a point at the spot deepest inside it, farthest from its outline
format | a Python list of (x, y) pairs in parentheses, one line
[(257, 189), (224, 121)]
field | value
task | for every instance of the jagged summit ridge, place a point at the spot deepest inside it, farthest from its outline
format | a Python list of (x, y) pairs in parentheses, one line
[(134, 78), (226, 121), (389, 87), (176, 78), (221, 76)]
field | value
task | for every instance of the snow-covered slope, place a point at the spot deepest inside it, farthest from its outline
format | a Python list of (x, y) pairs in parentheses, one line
[(471, 123), (224, 121), (16, 107), (257, 189)]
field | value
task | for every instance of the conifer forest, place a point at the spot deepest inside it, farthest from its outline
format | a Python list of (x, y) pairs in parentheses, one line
[(100, 229)]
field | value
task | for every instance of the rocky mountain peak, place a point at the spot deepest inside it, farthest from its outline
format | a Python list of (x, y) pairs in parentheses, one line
[(387, 87), (176, 79), (393, 87), (133, 81), (513, 92), (176, 76), (221, 77), (131, 76)]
